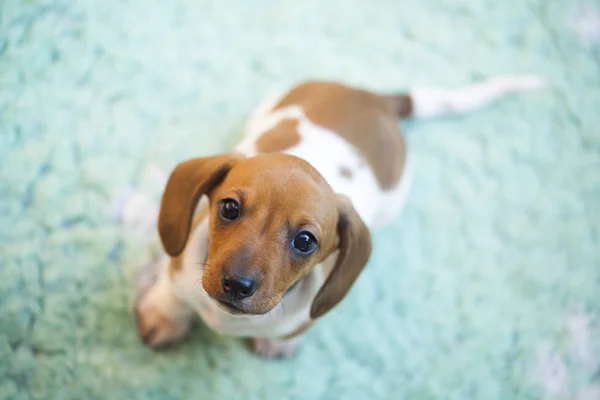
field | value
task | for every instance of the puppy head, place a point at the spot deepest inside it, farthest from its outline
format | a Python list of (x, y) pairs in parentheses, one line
[(272, 219)]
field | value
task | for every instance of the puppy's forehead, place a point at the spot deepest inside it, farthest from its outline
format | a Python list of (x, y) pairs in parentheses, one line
[(281, 181), (278, 170)]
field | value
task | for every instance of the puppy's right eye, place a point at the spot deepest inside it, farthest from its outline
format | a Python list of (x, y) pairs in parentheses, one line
[(230, 209)]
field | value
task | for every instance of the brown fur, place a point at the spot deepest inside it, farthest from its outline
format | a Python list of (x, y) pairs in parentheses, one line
[(281, 137), (402, 104), (366, 120)]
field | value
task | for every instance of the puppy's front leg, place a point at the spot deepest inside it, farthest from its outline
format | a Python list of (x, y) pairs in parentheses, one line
[(162, 319), (275, 348)]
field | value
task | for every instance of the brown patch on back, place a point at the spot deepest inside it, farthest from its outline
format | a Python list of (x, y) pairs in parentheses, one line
[(281, 137), (364, 119)]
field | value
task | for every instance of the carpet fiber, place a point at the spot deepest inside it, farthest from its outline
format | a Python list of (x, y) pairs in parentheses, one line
[(486, 287)]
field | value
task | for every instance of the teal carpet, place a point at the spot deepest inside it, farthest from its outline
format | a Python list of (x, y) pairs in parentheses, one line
[(487, 287)]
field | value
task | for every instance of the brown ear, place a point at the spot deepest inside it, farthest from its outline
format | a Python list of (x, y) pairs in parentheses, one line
[(354, 252), (187, 183)]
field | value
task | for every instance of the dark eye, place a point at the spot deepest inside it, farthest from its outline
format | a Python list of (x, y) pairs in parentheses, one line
[(230, 209), (304, 242)]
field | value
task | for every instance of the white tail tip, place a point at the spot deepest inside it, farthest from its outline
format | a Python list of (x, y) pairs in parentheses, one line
[(517, 83), (431, 103)]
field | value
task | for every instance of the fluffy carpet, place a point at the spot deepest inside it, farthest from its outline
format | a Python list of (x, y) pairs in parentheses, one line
[(487, 286)]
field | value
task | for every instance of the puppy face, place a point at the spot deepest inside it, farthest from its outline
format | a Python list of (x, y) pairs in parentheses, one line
[(272, 219)]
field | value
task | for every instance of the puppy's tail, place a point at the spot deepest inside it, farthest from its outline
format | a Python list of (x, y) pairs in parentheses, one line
[(428, 103)]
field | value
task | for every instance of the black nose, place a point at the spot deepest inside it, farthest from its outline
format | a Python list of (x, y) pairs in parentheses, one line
[(238, 288)]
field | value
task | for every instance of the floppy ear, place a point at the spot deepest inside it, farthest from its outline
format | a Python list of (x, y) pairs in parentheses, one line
[(354, 252), (187, 183)]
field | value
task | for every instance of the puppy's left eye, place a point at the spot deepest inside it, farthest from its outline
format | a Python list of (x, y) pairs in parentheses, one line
[(304, 242)]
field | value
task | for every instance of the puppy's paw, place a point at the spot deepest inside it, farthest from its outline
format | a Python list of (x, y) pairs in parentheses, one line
[(155, 327), (274, 348)]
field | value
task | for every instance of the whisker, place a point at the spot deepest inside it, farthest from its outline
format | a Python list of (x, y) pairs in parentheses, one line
[(282, 307), (196, 282), (278, 306), (202, 266)]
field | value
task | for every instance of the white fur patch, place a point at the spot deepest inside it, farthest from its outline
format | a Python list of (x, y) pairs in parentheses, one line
[(436, 102)]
